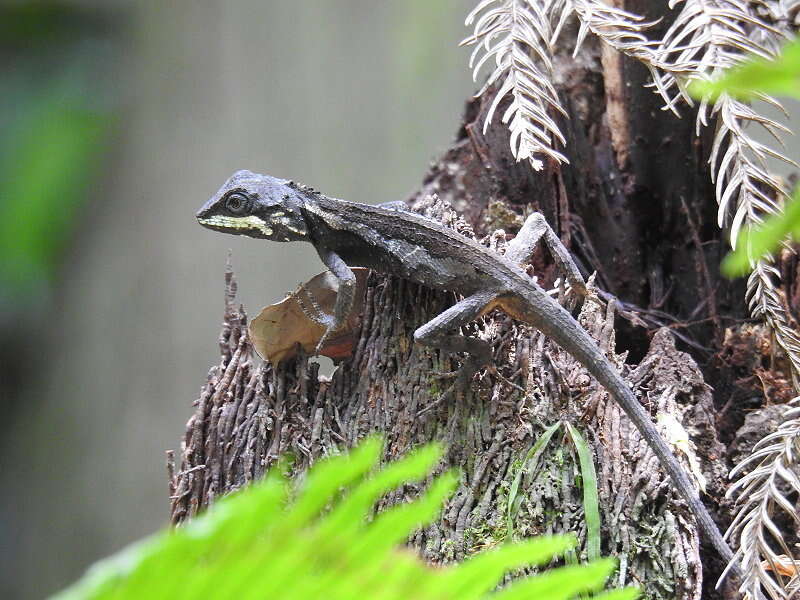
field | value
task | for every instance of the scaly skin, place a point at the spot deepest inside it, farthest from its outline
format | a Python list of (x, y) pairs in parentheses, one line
[(397, 242)]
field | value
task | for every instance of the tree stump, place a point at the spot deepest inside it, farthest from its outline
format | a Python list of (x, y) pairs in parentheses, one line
[(635, 206)]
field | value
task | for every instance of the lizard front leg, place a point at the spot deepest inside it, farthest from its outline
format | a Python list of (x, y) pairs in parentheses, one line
[(521, 248), (441, 332), (344, 297)]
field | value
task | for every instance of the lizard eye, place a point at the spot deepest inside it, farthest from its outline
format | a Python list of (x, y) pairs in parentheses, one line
[(236, 203)]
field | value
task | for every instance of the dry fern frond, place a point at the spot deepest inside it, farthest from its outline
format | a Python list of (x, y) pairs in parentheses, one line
[(706, 37), (518, 34), (624, 31), (620, 29), (781, 15), (744, 187), (765, 303), (760, 492)]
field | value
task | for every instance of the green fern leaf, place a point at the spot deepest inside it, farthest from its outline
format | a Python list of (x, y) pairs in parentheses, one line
[(322, 542)]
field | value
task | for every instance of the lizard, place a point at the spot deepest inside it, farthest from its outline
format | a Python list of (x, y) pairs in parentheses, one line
[(389, 239)]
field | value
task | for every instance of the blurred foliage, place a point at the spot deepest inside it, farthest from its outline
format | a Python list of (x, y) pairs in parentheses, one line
[(765, 239), (324, 542), (749, 81), (55, 117), (779, 77), (45, 170), (26, 23)]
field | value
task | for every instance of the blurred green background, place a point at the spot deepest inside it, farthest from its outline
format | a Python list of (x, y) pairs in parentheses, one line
[(118, 119)]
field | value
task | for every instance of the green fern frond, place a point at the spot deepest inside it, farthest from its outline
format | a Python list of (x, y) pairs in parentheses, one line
[(321, 542)]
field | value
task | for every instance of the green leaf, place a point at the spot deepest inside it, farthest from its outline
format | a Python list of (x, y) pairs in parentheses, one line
[(756, 243), (391, 527), (475, 576), (624, 594), (780, 77), (560, 584), (353, 509), (591, 504), (529, 465), (262, 543), (47, 159), (328, 476)]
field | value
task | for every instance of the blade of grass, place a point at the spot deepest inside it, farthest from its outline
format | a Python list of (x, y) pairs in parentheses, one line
[(529, 465), (591, 504)]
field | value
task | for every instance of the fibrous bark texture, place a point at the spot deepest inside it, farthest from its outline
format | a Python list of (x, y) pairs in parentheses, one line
[(250, 413), (646, 225)]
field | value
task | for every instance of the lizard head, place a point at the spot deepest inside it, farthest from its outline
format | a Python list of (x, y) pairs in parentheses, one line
[(257, 206)]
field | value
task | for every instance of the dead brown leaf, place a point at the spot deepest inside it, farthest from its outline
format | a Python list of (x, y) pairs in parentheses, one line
[(297, 319)]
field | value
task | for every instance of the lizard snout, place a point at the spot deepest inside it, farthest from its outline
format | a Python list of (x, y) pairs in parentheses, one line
[(205, 211)]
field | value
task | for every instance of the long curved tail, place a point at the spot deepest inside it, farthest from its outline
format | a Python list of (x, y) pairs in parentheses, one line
[(559, 325), (630, 404)]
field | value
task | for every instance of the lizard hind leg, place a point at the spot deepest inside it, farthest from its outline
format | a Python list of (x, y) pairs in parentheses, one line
[(521, 248), (442, 332)]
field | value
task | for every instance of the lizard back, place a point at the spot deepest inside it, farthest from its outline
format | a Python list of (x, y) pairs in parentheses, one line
[(410, 246)]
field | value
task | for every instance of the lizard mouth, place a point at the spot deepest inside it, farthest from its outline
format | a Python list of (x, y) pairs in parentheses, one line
[(236, 225)]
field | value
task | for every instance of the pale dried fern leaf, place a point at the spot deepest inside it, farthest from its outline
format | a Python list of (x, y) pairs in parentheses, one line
[(622, 30), (745, 190), (518, 35), (765, 303), (707, 37), (761, 492), (781, 15)]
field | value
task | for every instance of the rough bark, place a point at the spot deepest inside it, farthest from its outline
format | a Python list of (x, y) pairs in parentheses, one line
[(642, 216)]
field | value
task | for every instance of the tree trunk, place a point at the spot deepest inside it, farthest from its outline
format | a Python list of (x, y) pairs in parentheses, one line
[(636, 206)]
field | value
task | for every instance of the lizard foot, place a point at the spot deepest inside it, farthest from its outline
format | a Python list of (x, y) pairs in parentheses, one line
[(465, 374), (491, 369), (463, 378), (452, 391)]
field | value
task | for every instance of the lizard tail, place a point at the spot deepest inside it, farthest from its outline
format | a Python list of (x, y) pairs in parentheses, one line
[(561, 327), (641, 419)]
